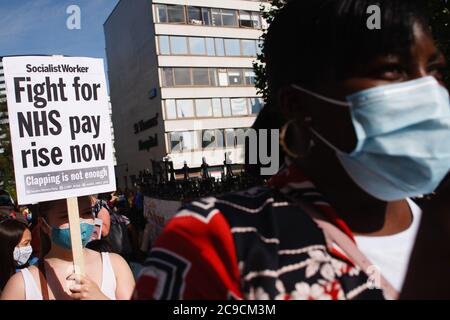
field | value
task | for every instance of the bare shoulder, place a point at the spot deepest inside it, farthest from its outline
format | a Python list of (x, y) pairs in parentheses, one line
[(91, 254), (120, 266), (14, 288), (117, 260)]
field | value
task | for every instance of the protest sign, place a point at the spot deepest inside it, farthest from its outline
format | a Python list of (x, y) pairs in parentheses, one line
[(60, 132), (157, 212), (60, 127)]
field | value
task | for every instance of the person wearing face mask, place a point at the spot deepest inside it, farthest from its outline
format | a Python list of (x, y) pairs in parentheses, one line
[(15, 248), (107, 276), (365, 130)]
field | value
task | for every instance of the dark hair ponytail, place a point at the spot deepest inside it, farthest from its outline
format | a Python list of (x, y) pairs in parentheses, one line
[(11, 232)]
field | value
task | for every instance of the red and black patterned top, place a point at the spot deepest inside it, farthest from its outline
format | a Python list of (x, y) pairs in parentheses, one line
[(254, 244)]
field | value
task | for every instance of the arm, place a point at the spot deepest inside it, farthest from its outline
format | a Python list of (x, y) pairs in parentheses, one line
[(14, 289), (124, 277), (194, 258), (104, 215)]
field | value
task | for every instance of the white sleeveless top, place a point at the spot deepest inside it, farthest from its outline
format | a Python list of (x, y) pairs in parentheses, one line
[(108, 288)]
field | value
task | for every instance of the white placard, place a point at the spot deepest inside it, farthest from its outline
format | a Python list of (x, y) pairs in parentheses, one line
[(60, 127), (157, 212)]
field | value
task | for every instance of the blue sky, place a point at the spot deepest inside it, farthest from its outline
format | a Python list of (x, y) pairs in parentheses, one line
[(39, 27)]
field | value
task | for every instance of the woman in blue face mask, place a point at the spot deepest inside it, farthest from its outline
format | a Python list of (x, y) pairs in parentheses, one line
[(365, 126), (108, 276)]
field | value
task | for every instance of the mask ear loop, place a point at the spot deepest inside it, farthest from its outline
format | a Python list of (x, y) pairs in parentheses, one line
[(325, 141), (318, 96), (329, 100)]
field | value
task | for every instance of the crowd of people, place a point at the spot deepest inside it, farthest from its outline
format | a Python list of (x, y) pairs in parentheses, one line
[(36, 241), (365, 124)]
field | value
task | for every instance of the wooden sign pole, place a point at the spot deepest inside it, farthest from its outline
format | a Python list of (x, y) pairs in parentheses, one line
[(75, 235)]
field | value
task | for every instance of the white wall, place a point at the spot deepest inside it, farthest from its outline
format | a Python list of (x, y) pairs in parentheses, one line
[(199, 61), (205, 31), (133, 66), (210, 123), (208, 92)]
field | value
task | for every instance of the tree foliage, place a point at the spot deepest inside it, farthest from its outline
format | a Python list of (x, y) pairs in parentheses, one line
[(6, 164), (440, 24)]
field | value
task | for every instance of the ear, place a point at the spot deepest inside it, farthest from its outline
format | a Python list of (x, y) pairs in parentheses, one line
[(293, 103)]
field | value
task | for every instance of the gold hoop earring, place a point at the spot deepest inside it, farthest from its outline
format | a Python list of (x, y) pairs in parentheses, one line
[(284, 145)]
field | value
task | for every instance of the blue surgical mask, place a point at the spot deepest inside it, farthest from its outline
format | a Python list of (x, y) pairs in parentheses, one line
[(61, 236), (403, 134)]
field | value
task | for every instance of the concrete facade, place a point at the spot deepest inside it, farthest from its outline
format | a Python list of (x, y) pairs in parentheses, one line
[(140, 64)]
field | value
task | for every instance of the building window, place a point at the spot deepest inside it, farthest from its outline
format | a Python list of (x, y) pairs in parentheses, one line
[(217, 107), (226, 109), (182, 76), (220, 50), (206, 14), (245, 19), (256, 18), (248, 48), (235, 77), (200, 76), (168, 77), (164, 47), (224, 17), (207, 77), (197, 46), (183, 141), (175, 14), (216, 17), (178, 45), (212, 139), (203, 107), (213, 77), (239, 107), (210, 47), (229, 18), (232, 47), (161, 13), (249, 19), (185, 108), (175, 139), (234, 137), (257, 104), (230, 139), (223, 77), (171, 112), (195, 15), (250, 78)]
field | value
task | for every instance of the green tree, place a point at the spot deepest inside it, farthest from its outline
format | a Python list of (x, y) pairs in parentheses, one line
[(440, 24), (268, 13), (7, 181)]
